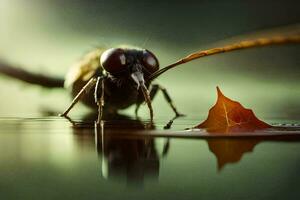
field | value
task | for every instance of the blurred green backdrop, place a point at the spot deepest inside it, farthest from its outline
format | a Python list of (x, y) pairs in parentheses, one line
[(50, 35)]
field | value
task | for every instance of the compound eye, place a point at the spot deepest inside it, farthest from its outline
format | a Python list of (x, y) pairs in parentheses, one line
[(150, 61), (113, 60)]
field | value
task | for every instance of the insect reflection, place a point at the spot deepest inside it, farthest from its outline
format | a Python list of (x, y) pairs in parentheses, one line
[(135, 159)]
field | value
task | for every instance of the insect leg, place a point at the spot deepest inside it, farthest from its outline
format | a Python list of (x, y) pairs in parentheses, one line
[(152, 93), (137, 106), (99, 101), (157, 87), (82, 92)]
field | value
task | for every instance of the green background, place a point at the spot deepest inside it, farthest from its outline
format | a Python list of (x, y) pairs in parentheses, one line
[(49, 36)]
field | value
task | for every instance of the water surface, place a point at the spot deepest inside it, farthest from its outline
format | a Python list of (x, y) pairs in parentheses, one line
[(51, 158)]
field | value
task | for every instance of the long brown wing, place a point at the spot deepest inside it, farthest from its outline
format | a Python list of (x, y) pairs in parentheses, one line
[(263, 41)]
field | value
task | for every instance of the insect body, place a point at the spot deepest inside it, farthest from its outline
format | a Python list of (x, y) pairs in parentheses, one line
[(115, 79)]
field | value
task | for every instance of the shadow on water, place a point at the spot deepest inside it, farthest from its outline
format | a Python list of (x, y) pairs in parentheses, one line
[(137, 158)]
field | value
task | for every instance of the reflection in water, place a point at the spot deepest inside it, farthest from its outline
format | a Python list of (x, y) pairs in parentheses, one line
[(230, 150), (137, 158), (133, 158)]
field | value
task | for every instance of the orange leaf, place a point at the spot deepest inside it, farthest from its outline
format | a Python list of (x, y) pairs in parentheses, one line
[(230, 116)]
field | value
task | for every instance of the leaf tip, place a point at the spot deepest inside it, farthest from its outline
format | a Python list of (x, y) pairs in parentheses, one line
[(219, 92)]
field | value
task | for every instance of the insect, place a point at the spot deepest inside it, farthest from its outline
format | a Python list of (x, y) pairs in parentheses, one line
[(112, 79), (115, 79)]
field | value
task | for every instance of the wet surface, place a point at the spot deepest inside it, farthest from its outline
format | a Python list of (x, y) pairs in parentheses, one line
[(48, 158)]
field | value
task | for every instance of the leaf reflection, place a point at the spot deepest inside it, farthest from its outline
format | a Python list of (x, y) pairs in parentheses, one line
[(232, 149)]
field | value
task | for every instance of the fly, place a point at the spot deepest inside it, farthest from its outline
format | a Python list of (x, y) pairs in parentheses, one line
[(109, 80)]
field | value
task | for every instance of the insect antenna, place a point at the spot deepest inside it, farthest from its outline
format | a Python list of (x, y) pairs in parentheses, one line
[(147, 39), (263, 41)]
